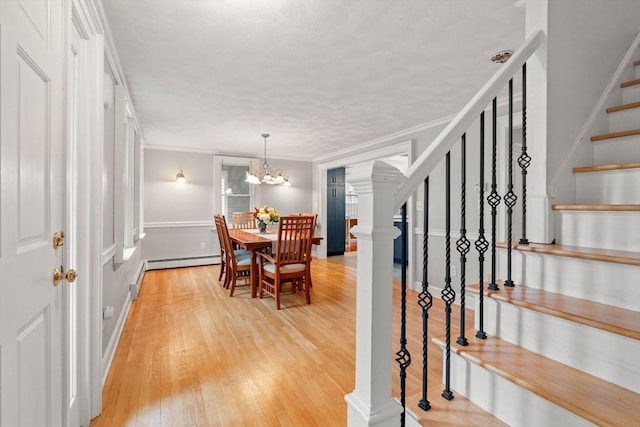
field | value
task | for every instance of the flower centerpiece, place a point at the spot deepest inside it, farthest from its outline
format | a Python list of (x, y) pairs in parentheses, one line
[(265, 215)]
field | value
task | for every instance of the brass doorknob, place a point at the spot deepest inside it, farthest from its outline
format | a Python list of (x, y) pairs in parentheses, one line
[(70, 276)]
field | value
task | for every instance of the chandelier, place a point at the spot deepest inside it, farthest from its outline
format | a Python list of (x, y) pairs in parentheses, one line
[(263, 173)]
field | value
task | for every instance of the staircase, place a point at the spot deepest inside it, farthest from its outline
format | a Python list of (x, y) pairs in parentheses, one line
[(564, 343)]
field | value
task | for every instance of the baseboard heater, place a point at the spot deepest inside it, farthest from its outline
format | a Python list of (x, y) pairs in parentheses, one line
[(134, 286), (159, 264)]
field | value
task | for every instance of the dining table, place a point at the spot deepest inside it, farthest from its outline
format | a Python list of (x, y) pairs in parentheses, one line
[(253, 241)]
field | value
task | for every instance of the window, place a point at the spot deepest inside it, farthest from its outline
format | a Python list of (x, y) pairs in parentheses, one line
[(234, 191), (232, 194)]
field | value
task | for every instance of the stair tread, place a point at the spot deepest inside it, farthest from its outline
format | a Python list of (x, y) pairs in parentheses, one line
[(617, 208), (609, 167), (594, 254), (597, 315), (613, 135), (591, 398), (459, 411), (630, 83), (636, 63), (623, 107)]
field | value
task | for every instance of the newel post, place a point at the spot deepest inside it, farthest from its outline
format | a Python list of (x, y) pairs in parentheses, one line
[(371, 402)]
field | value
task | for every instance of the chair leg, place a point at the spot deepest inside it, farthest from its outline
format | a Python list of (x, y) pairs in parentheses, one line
[(222, 269), (276, 291)]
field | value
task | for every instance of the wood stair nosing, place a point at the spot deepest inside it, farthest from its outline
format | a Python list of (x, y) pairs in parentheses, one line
[(636, 63), (623, 107), (605, 317), (592, 254), (630, 83), (604, 168), (589, 397), (613, 135), (612, 208)]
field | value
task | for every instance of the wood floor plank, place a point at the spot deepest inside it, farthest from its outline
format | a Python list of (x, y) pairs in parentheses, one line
[(191, 355)]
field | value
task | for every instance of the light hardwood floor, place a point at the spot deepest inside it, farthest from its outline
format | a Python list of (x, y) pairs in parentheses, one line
[(190, 355)]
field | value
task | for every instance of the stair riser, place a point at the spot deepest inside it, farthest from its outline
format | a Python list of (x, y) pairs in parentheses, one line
[(604, 230), (616, 150), (602, 282), (630, 94), (620, 187), (624, 120), (506, 400), (603, 354)]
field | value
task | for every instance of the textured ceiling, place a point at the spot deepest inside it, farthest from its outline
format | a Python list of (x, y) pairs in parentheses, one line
[(318, 75)]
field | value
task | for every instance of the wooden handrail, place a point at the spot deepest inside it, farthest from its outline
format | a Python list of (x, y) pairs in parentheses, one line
[(443, 143)]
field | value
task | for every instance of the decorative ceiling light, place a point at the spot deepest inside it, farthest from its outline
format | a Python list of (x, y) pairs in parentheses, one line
[(264, 173), (502, 56), (180, 179)]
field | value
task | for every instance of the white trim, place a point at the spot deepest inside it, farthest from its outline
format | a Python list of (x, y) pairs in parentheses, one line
[(127, 253), (108, 253), (178, 224), (224, 154), (182, 262), (110, 351)]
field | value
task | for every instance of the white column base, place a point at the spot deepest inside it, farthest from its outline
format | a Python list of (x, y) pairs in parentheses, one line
[(359, 414)]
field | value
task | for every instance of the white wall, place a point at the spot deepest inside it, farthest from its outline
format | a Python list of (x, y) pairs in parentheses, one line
[(179, 217)]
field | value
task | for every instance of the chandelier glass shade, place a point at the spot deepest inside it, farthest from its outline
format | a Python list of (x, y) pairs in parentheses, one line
[(260, 173)]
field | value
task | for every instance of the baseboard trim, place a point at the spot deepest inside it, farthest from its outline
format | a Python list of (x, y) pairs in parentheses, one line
[(107, 359), (159, 264)]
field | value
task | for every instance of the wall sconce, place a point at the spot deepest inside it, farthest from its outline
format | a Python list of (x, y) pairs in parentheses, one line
[(180, 179)]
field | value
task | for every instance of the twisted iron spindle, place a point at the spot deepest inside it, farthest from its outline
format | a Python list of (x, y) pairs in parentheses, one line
[(448, 294), (481, 243), (494, 198), (524, 160), (510, 198), (403, 357), (425, 300), (463, 244)]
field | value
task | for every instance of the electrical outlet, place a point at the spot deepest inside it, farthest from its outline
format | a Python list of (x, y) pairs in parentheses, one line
[(454, 271), (202, 245)]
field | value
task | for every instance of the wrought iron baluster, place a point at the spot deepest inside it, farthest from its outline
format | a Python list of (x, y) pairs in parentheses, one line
[(481, 243), (403, 357), (524, 160), (463, 244), (510, 198), (425, 300), (494, 197), (448, 294)]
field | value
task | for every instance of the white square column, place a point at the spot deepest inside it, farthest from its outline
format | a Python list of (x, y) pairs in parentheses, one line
[(371, 403)]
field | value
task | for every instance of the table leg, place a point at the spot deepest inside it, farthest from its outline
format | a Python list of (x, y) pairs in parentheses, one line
[(254, 274)]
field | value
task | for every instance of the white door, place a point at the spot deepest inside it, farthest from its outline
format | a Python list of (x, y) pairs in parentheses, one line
[(31, 210)]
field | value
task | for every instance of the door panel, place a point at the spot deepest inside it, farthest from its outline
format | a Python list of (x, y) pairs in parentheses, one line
[(31, 187)]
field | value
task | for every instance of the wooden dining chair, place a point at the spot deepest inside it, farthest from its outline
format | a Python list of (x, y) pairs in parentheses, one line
[(237, 262), (223, 249), (243, 220), (290, 260)]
